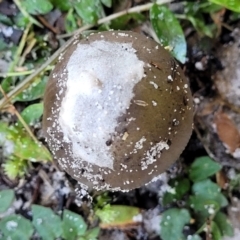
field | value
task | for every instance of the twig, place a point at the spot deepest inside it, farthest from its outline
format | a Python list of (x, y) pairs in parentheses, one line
[(27, 81), (20, 48), (26, 51), (21, 73), (207, 149), (46, 24)]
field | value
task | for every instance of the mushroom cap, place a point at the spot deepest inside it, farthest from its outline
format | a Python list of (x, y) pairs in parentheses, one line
[(117, 110)]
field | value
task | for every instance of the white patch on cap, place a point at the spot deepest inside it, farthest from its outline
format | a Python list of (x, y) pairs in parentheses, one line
[(94, 71), (153, 154)]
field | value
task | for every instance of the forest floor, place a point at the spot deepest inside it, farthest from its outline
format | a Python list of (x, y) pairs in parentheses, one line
[(29, 38)]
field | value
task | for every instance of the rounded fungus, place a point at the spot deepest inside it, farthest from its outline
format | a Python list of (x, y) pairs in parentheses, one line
[(117, 110)]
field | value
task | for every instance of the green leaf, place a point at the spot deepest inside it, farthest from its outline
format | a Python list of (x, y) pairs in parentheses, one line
[(16, 227), (46, 222), (123, 22), (181, 186), (193, 9), (107, 3), (70, 21), (88, 10), (15, 167), (169, 30), (201, 27), (224, 224), (20, 20), (38, 7), (229, 4), (34, 91), (216, 234), (117, 215), (208, 190), (172, 223), (208, 7), (62, 5), (73, 225), (6, 199), (25, 147), (202, 168), (203, 208), (15, 141), (32, 114), (92, 234)]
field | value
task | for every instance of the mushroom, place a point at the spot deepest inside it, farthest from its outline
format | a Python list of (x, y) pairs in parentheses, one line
[(117, 110)]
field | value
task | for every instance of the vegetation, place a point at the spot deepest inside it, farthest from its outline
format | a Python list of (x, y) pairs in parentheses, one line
[(197, 200)]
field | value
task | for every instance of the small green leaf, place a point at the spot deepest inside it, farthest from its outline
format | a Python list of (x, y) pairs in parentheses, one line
[(117, 215), (38, 7), (92, 234), (169, 30), (203, 168), (203, 208), (224, 224), (181, 187), (25, 147), (15, 167), (70, 21), (16, 227), (216, 234), (32, 113), (20, 20), (73, 225), (35, 91), (62, 5), (107, 3), (123, 22), (193, 9), (208, 7), (88, 10), (229, 4), (173, 222), (46, 222), (6, 199), (201, 27), (19, 146), (208, 190)]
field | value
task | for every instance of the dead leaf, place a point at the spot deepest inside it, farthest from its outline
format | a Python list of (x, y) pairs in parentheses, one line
[(227, 131), (217, 17), (209, 107), (222, 180)]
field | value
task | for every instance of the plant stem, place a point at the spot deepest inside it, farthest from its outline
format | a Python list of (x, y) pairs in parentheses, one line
[(20, 48), (21, 73), (26, 14)]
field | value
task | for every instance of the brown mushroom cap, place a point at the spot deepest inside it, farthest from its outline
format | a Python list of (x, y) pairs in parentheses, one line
[(117, 110)]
